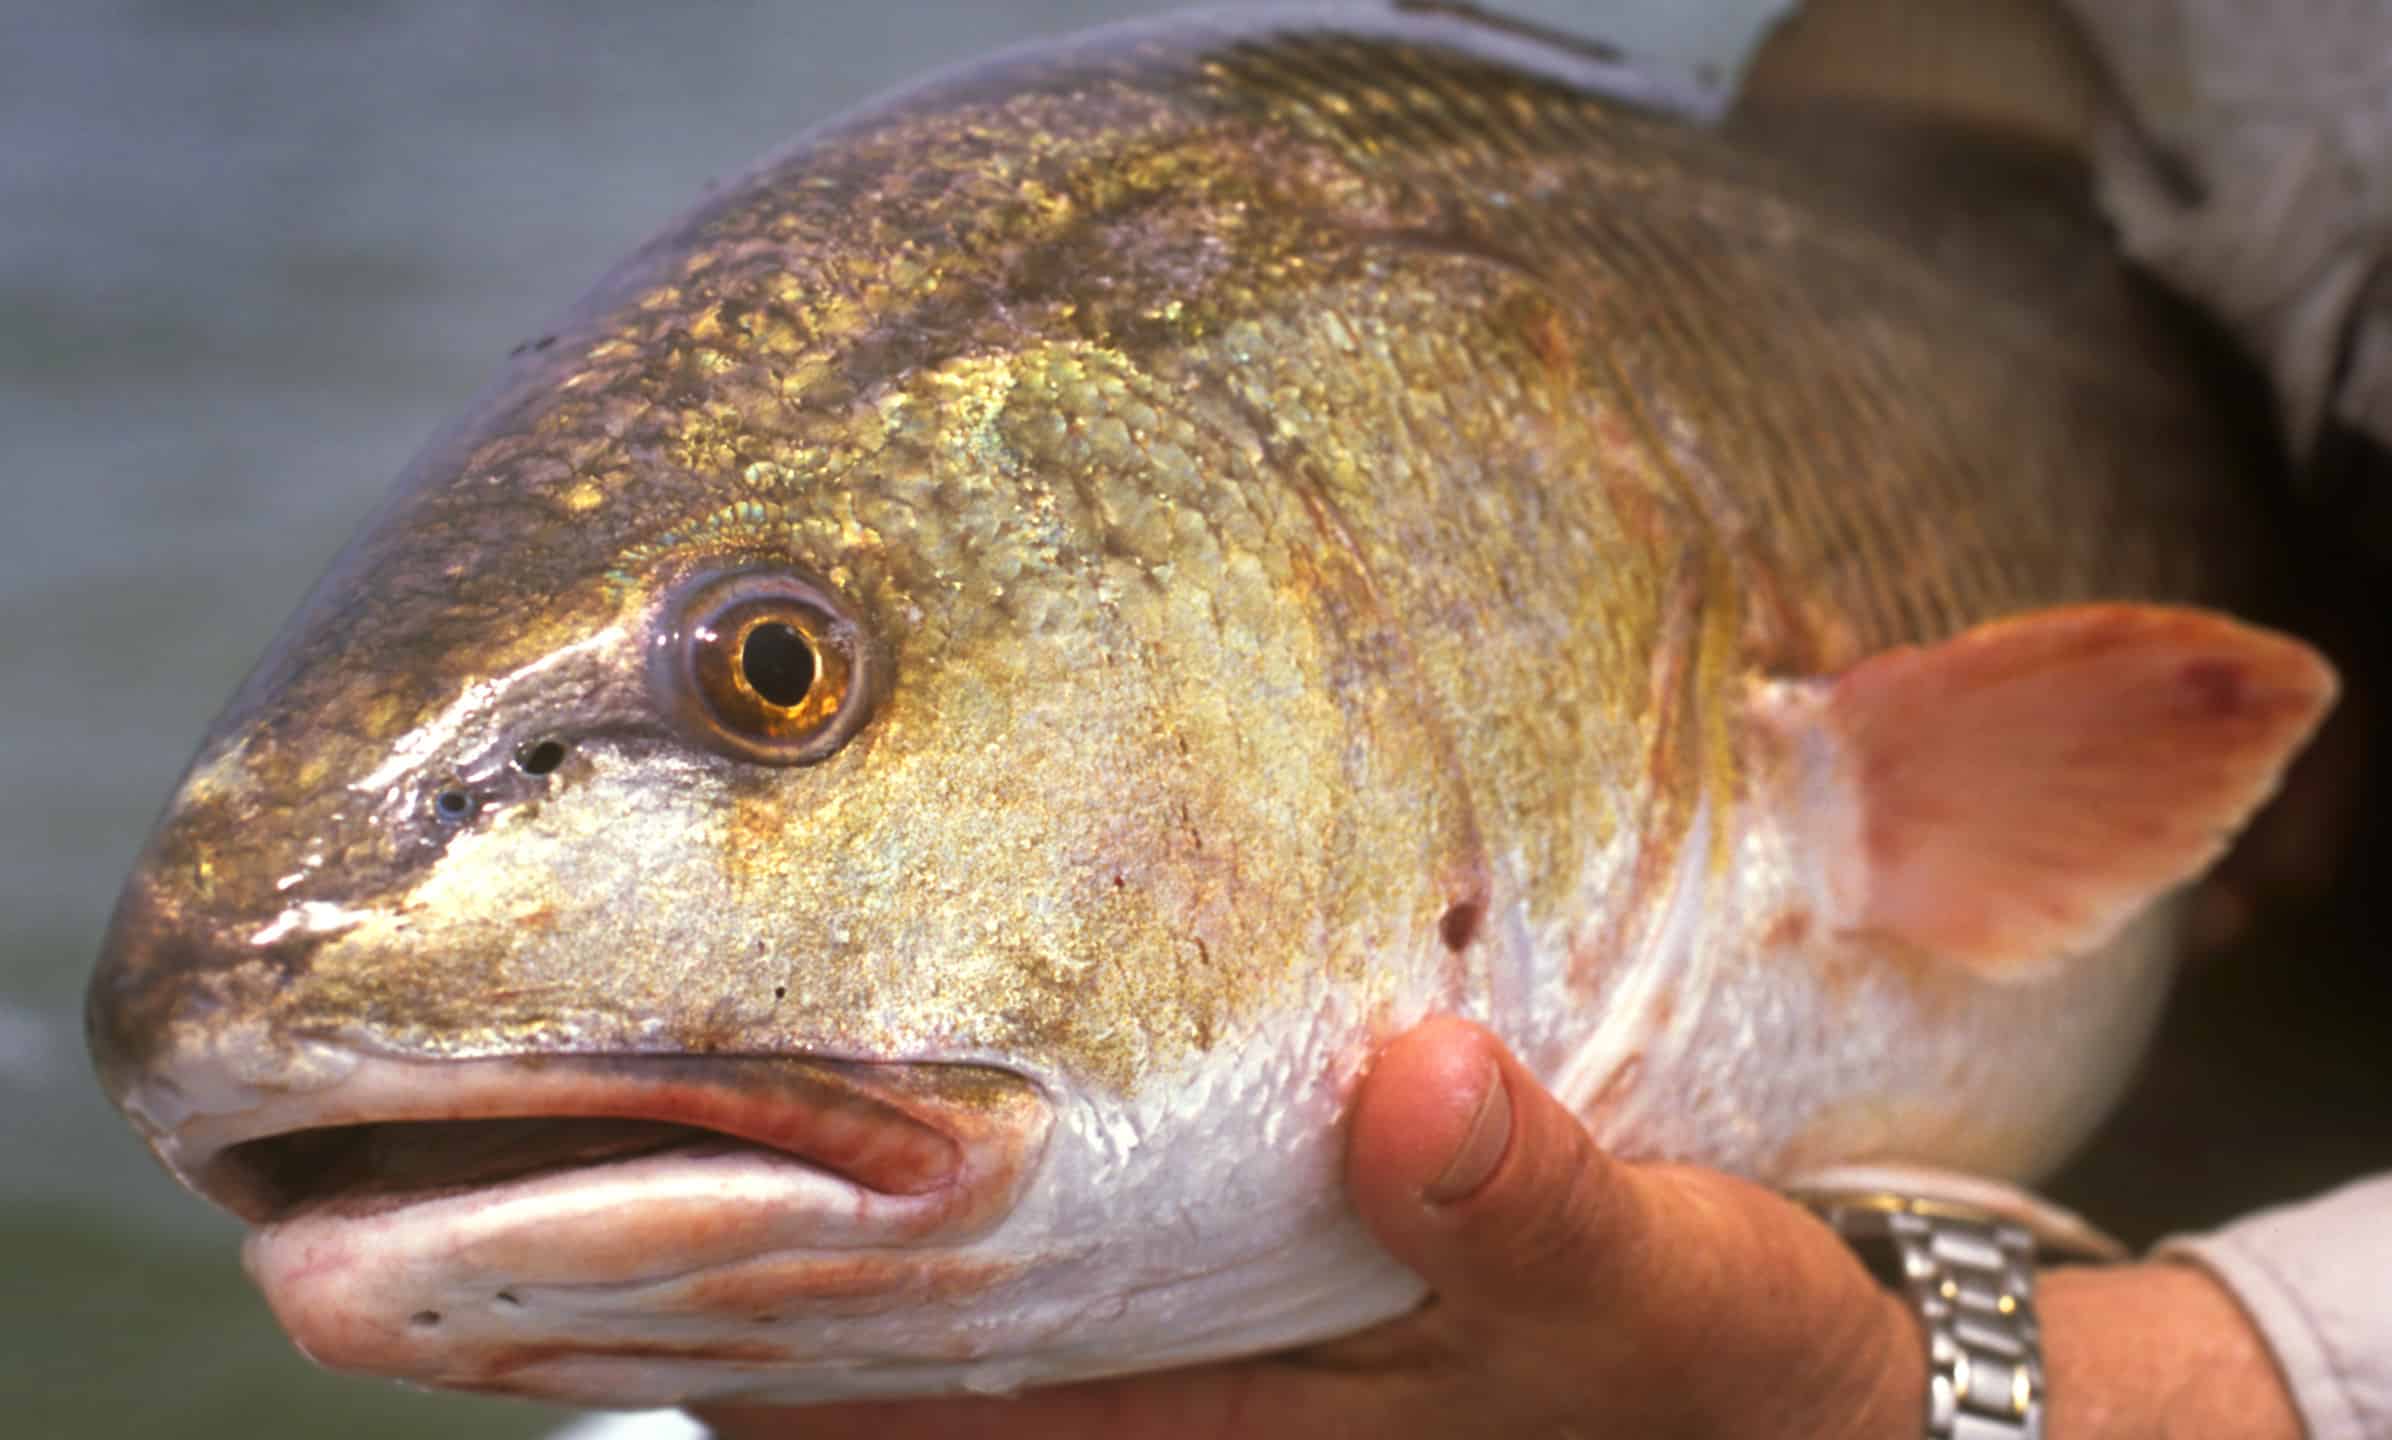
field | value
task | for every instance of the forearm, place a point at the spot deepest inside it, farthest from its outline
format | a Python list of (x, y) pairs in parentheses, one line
[(2142, 1352)]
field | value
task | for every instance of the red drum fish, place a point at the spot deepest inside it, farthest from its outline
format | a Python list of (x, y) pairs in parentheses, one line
[(851, 828)]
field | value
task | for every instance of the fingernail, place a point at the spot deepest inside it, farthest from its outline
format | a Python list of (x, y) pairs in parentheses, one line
[(1481, 1149)]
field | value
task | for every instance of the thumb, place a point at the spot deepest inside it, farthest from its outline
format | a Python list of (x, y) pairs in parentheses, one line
[(1682, 1299), (1472, 1174)]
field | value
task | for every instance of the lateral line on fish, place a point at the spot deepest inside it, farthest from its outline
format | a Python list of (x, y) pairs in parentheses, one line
[(1427, 702)]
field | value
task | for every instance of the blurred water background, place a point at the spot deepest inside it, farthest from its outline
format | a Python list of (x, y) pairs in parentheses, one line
[(252, 253)]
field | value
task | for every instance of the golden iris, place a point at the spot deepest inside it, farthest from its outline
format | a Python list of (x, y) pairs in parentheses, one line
[(775, 669)]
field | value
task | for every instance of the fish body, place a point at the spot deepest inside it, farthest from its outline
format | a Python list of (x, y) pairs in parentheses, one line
[(850, 829)]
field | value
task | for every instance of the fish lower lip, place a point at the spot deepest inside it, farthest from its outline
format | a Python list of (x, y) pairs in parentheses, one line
[(610, 1228), (393, 1131)]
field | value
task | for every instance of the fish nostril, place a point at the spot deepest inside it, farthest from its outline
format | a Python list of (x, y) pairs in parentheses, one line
[(453, 804), (541, 757)]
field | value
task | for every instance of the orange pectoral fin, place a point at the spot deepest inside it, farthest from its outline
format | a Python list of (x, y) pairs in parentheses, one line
[(2014, 795)]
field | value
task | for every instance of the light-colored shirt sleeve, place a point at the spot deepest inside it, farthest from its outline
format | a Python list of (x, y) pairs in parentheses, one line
[(2316, 1279), (2275, 214)]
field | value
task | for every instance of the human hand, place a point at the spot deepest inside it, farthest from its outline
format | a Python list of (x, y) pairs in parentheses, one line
[(1574, 1295)]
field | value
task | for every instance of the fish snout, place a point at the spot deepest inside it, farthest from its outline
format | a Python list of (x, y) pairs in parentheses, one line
[(122, 1002), (181, 1018), (199, 1002)]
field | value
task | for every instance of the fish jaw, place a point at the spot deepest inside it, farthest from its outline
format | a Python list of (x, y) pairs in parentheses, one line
[(622, 1229)]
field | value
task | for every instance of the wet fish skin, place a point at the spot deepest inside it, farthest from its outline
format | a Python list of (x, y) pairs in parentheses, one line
[(1317, 498)]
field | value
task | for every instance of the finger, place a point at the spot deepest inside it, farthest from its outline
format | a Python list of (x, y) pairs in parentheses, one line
[(1472, 1174), (1068, 1413), (1262, 1399), (1521, 1223)]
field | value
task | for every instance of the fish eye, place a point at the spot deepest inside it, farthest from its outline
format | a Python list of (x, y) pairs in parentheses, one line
[(763, 665)]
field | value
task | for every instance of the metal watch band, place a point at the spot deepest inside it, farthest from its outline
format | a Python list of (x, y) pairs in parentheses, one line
[(1971, 1279)]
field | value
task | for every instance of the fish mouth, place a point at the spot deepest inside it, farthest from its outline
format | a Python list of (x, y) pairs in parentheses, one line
[(389, 1131), (614, 1229)]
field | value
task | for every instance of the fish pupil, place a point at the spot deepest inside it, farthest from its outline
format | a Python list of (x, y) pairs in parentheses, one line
[(778, 663)]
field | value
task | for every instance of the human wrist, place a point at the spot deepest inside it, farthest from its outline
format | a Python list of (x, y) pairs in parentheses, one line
[(2155, 1350), (1966, 1284)]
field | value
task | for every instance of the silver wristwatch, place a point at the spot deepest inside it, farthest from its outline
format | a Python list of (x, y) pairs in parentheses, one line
[(1970, 1276)]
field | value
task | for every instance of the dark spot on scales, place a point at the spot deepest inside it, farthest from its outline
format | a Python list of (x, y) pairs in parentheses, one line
[(424, 1319), (1460, 923)]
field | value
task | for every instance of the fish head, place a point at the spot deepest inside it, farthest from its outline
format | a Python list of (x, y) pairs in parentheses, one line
[(813, 838)]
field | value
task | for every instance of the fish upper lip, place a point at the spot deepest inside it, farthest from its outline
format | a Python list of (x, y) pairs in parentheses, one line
[(897, 1128)]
